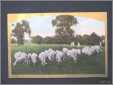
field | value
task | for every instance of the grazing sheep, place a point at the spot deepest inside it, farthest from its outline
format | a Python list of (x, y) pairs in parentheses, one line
[(87, 50), (19, 56), (76, 51), (59, 56), (64, 50), (70, 53), (50, 54), (43, 56), (34, 58), (96, 48), (90, 50), (28, 58)]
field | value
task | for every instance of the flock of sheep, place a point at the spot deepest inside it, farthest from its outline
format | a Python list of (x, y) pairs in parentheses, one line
[(54, 55)]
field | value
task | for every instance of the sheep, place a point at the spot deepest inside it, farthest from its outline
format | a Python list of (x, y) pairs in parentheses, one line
[(96, 48), (19, 56), (34, 57), (70, 53), (29, 57), (59, 56), (64, 50), (87, 51), (76, 51), (50, 54), (43, 56), (90, 50)]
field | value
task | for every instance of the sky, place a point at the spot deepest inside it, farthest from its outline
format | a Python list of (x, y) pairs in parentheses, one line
[(42, 25)]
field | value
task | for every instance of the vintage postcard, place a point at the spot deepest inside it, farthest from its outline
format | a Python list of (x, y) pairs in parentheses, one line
[(57, 45)]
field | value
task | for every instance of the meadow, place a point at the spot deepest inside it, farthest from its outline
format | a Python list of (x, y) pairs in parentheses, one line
[(94, 64)]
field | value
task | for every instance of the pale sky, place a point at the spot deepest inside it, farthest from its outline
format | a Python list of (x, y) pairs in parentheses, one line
[(42, 25), (88, 25)]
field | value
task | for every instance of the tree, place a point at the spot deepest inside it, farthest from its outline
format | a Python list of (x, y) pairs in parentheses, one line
[(103, 40), (19, 33), (13, 40), (63, 25), (26, 27), (79, 39), (86, 39), (95, 39), (19, 30), (37, 39), (48, 39)]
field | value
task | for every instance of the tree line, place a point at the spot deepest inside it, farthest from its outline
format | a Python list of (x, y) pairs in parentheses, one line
[(92, 39)]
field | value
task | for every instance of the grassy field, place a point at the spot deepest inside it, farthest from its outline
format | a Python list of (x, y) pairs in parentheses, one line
[(85, 64)]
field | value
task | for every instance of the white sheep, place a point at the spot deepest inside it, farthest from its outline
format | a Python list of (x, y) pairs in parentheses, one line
[(29, 57), (50, 54), (90, 50), (96, 48), (70, 53), (59, 56), (76, 51), (19, 56), (34, 57), (87, 50), (43, 56), (64, 50)]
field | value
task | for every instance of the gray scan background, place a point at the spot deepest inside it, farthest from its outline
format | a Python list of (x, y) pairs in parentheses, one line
[(49, 0)]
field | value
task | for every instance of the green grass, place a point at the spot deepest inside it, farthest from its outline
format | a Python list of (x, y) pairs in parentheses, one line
[(40, 47), (85, 64)]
